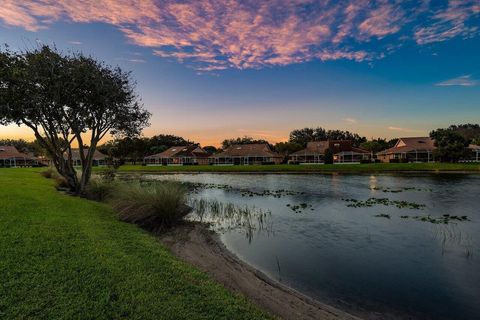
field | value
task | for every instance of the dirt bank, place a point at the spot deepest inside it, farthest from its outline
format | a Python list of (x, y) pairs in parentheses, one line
[(194, 243)]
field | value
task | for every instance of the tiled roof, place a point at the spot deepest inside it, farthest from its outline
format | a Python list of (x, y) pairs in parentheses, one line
[(10, 152), (411, 144), (181, 151), (244, 150), (96, 156)]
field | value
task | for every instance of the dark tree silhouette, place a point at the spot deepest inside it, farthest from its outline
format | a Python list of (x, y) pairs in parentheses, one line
[(68, 100)]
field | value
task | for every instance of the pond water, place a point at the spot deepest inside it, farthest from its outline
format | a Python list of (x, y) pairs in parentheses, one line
[(411, 251)]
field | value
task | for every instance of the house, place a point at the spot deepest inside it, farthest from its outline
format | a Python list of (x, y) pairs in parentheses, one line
[(180, 155), (414, 149), (11, 157), (473, 153), (247, 154), (99, 159), (343, 152)]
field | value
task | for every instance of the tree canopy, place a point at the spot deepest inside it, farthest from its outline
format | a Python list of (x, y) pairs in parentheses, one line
[(305, 135), (68, 100), (242, 140), (451, 146), (136, 148)]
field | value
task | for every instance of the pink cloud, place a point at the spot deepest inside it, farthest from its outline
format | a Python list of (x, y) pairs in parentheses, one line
[(450, 22), (221, 34)]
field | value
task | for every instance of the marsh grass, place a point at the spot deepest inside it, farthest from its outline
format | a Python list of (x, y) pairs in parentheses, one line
[(152, 206), (100, 189), (228, 216)]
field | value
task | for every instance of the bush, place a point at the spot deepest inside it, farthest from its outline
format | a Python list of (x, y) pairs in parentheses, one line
[(100, 189), (153, 207), (50, 173)]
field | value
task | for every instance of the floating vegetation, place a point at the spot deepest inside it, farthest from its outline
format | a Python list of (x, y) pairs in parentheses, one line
[(384, 201), (382, 215), (228, 216), (398, 190), (445, 219), (299, 208), (195, 187)]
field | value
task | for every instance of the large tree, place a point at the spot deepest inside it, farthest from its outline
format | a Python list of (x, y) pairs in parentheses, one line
[(242, 140), (451, 146), (68, 100), (305, 135)]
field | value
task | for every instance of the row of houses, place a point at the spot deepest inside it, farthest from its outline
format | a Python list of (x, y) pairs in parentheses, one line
[(11, 157), (415, 149)]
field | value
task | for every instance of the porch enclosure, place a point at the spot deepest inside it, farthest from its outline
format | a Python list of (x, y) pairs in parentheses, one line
[(165, 161), (17, 162), (414, 156), (243, 160)]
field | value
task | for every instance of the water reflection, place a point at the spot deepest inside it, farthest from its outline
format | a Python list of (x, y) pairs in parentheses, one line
[(405, 266)]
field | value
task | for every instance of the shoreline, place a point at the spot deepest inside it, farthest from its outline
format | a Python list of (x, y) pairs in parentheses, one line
[(360, 172), (194, 243)]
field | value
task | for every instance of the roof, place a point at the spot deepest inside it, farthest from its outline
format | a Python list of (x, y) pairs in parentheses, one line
[(251, 150), (474, 147), (181, 151), (411, 144), (10, 152), (96, 156), (337, 146)]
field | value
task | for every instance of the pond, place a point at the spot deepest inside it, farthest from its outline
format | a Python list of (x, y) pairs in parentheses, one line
[(378, 246)]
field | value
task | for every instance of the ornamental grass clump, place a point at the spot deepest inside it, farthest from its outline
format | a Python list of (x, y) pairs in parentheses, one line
[(153, 206), (99, 189)]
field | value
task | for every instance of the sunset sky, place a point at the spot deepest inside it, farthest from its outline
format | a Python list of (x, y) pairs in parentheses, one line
[(210, 70)]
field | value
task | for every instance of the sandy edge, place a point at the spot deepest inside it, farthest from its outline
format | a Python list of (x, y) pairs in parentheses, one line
[(197, 245)]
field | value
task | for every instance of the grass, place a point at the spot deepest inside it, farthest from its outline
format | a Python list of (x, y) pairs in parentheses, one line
[(152, 206), (353, 168), (64, 257)]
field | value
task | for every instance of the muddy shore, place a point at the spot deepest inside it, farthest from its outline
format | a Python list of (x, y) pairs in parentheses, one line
[(195, 244)]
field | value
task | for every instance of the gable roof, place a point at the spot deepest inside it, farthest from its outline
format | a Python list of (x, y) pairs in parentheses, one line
[(251, 150), (411, 144), (97, 155), (10, 152), (182, 151)]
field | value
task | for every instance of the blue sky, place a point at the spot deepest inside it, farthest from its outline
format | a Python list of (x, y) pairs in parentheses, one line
[(385, 69)]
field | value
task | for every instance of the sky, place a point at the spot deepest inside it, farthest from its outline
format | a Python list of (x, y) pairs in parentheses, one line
[(215, 69)]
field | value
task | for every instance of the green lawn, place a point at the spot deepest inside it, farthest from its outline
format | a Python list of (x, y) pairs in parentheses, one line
[(68, 258), (377, 167)]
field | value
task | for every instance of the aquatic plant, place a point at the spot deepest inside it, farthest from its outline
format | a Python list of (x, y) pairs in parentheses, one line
[(300, 207), (382, 215), (383, 201), (398, 190), (228, 216)]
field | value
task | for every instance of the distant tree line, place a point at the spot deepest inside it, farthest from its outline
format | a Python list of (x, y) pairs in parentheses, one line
[(451, 143)]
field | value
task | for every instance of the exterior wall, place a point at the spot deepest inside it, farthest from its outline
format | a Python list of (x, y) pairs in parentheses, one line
[(319, 158)]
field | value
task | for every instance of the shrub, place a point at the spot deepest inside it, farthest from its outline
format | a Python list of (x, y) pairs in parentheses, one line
[(50, 173), (100, 189), (60, 182), (153, 207)]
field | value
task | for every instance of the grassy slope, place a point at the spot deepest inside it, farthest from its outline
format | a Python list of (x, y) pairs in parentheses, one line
[(378, 167), (69, 258)]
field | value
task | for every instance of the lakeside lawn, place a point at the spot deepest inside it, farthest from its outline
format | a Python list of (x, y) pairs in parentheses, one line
[(64, 257), (373, 167)]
